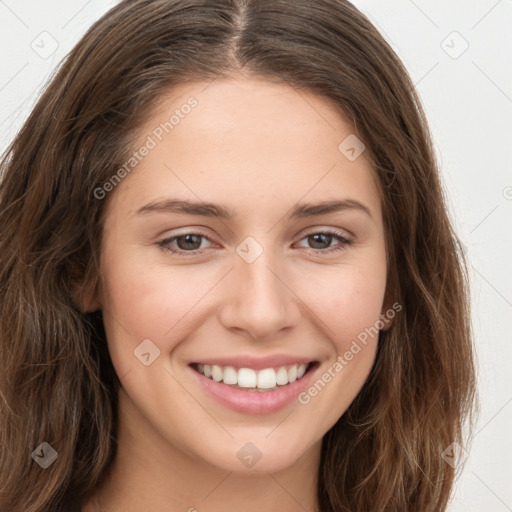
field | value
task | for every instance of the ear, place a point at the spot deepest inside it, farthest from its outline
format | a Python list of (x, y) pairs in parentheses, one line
[(86, 297)]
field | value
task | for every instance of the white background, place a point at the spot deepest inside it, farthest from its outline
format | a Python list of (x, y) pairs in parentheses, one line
[(468, 101)]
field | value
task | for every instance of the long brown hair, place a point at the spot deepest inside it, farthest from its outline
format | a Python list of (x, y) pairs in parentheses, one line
[(57, 383)]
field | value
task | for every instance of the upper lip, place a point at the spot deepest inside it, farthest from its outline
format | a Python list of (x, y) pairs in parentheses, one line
[(256, 363)]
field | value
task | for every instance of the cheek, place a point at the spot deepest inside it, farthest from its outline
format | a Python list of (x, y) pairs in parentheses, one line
[(147, 300), (348, 299), (349, 303)]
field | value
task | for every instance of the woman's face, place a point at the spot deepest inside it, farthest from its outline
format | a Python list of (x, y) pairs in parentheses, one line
[(244, 246)]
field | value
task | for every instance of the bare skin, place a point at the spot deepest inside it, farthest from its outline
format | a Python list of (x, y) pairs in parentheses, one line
[(258, 149)]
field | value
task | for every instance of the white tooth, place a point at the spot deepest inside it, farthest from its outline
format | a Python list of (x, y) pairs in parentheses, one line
[(207, 370), (267, 378), (200, 368), (230, 375), (292, 373), (217, 373), (301, 370), (282, 376), (246, 378)]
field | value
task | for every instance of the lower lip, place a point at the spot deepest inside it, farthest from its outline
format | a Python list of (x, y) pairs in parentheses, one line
[(254, 402)]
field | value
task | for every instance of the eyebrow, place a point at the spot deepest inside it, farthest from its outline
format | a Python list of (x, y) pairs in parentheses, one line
[(205, 209)]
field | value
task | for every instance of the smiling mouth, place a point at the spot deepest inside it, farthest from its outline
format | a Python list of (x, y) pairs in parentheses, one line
[(247, 379)]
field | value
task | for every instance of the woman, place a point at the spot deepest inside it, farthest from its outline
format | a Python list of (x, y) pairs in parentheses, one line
[(228, 275)]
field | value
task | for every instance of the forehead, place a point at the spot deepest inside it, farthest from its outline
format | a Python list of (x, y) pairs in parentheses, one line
[(234, 139)]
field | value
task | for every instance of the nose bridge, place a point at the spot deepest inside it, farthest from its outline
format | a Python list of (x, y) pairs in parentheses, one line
[(257, 299)]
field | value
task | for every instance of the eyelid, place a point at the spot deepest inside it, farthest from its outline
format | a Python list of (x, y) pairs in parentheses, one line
[(188, 230), (343, 233), (168, 239), (338, 233)]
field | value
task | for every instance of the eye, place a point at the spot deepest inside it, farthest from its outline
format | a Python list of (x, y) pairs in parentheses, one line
[(189, 243), (321, 241), (192, 243)]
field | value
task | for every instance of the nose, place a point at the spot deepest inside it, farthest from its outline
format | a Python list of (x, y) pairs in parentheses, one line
[(258, 299)]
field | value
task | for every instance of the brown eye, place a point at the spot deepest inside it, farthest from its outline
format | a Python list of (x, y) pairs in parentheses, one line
[(188, 243), (322, 241)]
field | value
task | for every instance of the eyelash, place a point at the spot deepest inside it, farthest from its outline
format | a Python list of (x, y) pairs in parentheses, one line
[(164, 244)]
